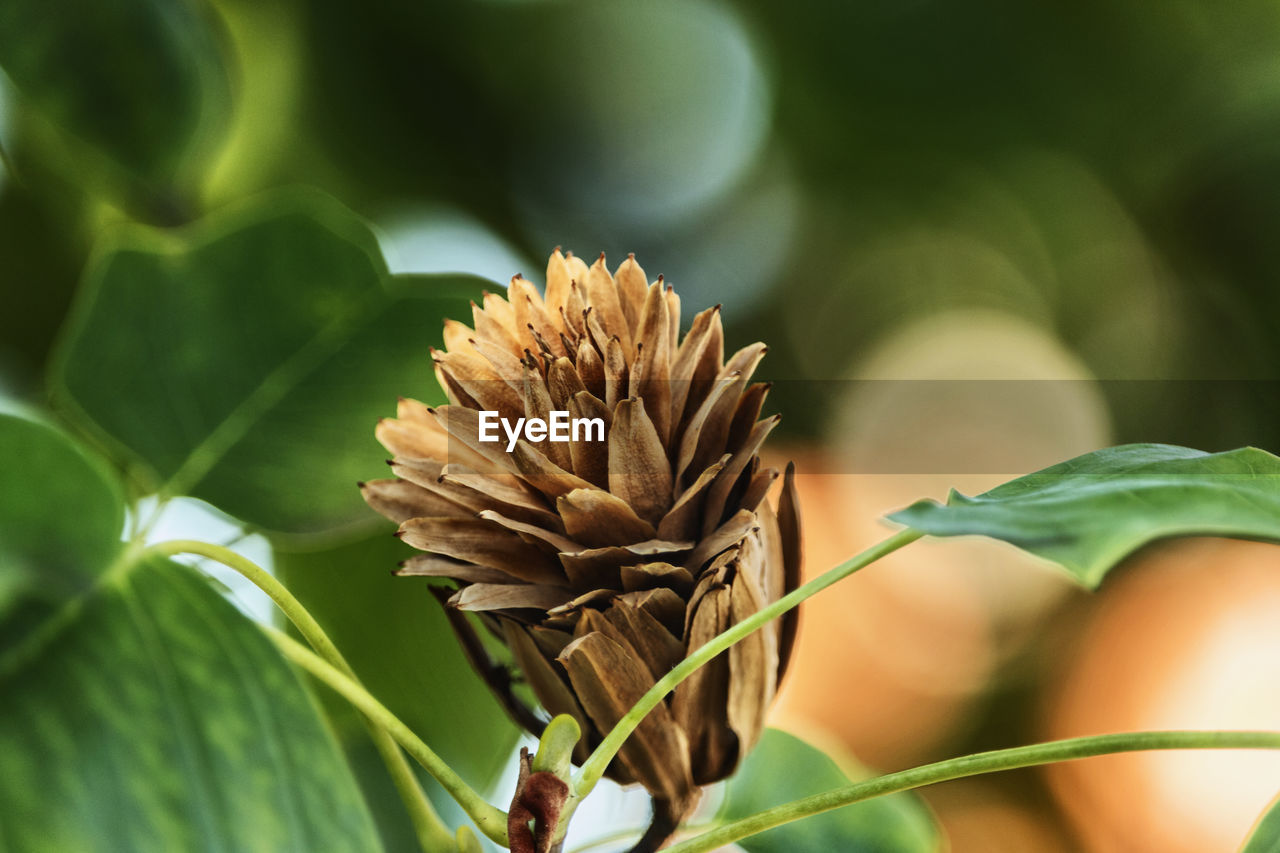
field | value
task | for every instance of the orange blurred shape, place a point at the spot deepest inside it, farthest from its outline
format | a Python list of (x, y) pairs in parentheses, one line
[(981, 817), (885, 666), (1185, 637)]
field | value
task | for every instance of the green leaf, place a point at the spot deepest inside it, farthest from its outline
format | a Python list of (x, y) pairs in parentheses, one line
[(140, 80), (394, 635), (141, 711), (153, 716), (1265, 837), (60, 517), (1090, 512), (246, 360), (783, 767)]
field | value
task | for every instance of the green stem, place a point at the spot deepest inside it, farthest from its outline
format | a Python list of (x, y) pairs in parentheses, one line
[(972, 765), (431, 831), (633, 834), (491, 820), (593, 768)]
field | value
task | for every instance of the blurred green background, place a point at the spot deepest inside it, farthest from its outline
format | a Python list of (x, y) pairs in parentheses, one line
[(907, 190)]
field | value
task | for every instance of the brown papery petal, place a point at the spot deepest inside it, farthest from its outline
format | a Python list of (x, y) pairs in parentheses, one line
[(599, 335), (746, 415), (497, 307), (465, 446), (505, 596), (558, 279), (531, 532), (757, 488), (548, 685), (718, 494), (653, 361), (594, 598), (476, 376), (590, 459), (574, 308), (596, 518), (510, 367), (531, 316), (691, 440), (506, 493), (543, 474), (713, 435), (699, 703), (539, 404), (601, 566), (651, 575), (639, 472), (682, 521), (609, 681), (673, 319), (603, 295), (632, 287), (697, 363), (590, 366), (454, 392), (662, 604), (484, 544), (577, 267), (793, 559), (753, 662), (400, 500), (640, 635), (563, 381), (433, 566), (457, 337), (490, 329), (615, 373), (405, 438), (726, 535)]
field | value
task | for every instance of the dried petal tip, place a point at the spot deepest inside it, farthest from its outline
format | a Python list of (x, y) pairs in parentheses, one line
[(603, 560)]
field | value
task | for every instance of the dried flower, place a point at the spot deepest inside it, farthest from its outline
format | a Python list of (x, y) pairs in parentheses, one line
[(602, 560)]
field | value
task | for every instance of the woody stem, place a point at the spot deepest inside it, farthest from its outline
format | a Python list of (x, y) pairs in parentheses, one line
[(593, 768)]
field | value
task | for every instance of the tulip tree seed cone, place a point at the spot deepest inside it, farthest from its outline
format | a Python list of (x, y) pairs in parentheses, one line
[(601, 562)]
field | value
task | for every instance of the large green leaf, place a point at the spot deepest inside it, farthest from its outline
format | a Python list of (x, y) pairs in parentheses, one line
[(1090, 512), (141, 80), (156, 717), (1265, 837), (395, 636), (60, 518), (141, 711), (782, 767), (246, 360)]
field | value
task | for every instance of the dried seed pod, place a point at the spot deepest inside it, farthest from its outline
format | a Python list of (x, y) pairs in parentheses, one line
[(602, 560)]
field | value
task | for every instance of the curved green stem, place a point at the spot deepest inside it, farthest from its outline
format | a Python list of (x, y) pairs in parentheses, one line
[(973, 765), (491, 820), (431, 831), (593, 768)]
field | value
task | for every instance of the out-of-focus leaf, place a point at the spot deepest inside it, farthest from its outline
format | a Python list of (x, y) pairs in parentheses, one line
[(245, 361), (783, 767), (141, 80), (394, 635), (153, 716), (60, 517), (1265, 837), (1090, 512), (42, 261), (141, 711)]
